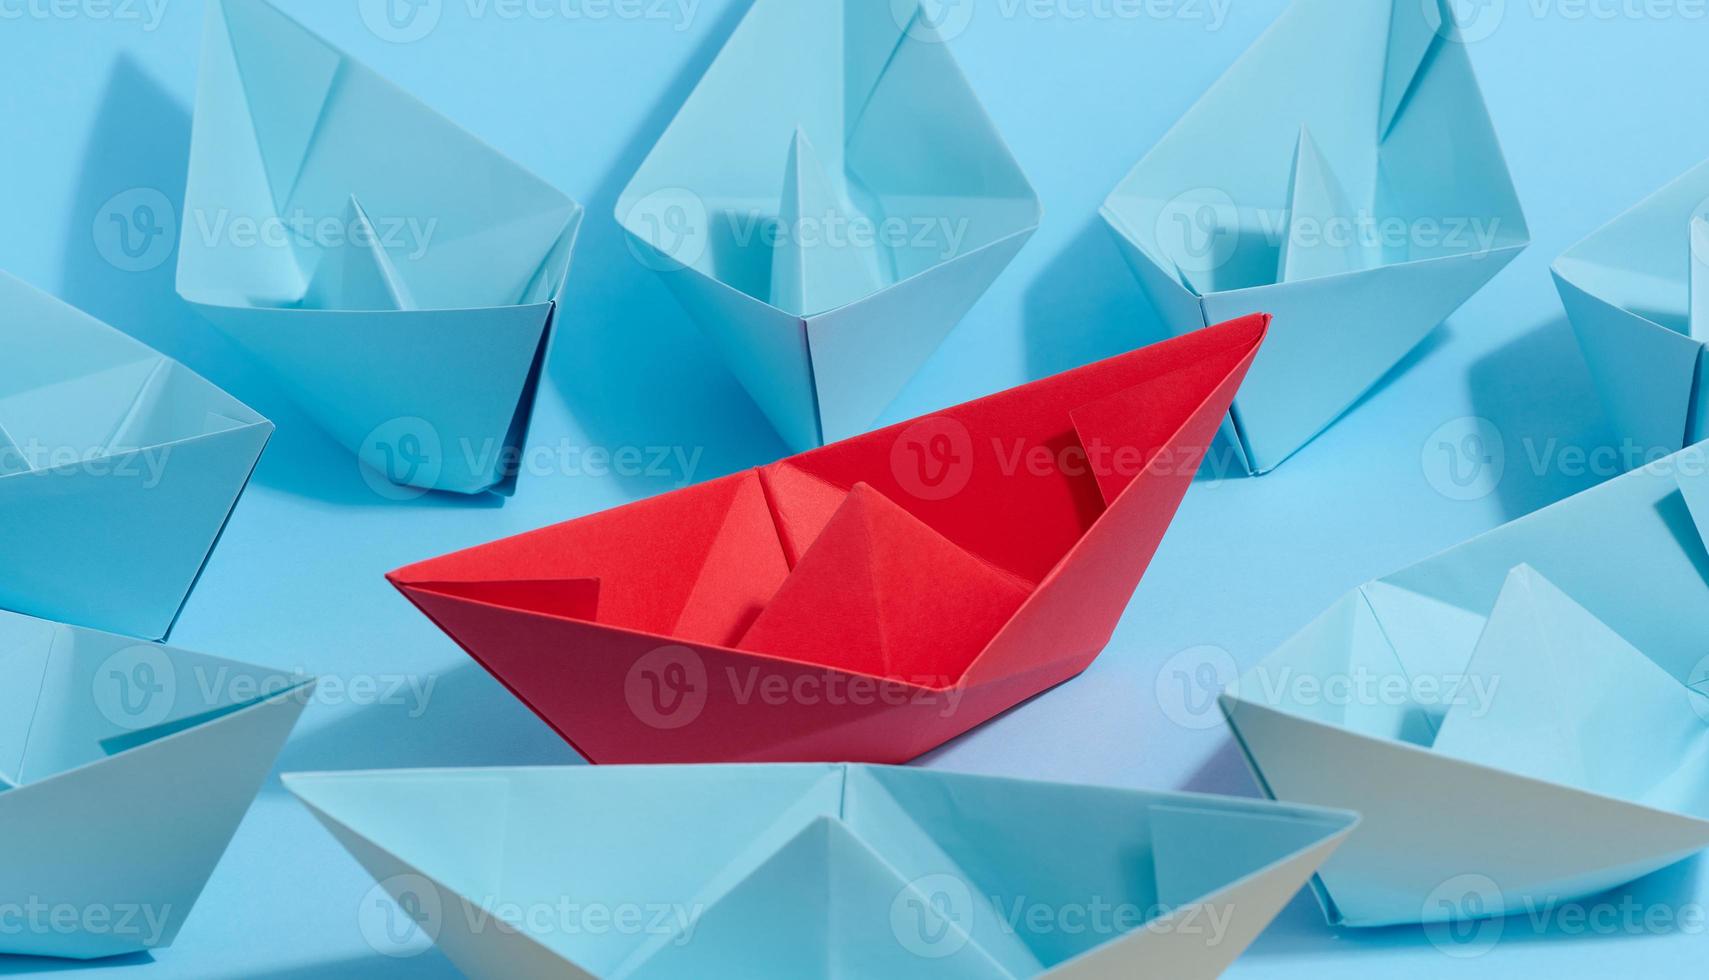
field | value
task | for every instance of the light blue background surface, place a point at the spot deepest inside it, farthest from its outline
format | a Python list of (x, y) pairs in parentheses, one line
[(1595, 112)]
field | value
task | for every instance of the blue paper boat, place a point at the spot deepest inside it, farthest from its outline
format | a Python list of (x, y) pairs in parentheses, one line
[(398, 276), (1637, 292), (125, 769), (1523, 720), (829, 202), (1361, 198), (118, 469), (800, 871)]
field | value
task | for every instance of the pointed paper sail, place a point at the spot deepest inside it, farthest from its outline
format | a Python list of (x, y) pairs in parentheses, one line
[(899, 206), (924, 577), (1537, 726), (140, 762), (1309, 187), (405, 288), (826, 871), (118, 469)]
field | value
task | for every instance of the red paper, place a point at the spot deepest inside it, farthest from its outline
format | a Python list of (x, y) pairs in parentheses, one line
[(863, 602)]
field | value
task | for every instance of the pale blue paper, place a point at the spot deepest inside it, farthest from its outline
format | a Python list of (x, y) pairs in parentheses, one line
[(125, 768), (1360, 117), (1583, 765), (118, 469), (820, 115), (415, 329), (1637, 294), (824, 870)]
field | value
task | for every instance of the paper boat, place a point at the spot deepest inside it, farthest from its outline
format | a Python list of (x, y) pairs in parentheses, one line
[(125, 768), (830, 201), (398, 276), (1525, 712), (1326, 191), (1637, 292), (118, 469), (821, 870), (866, 601)]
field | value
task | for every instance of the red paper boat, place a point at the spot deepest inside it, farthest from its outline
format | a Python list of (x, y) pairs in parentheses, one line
[(863, 602)]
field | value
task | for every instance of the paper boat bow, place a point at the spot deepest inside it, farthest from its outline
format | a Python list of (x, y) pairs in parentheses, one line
[(125, 768), (118, 469), (865, 601), (822, 871), (1324, 191), (1522, 720), (1637, 292), (829, 202), (398, 276)]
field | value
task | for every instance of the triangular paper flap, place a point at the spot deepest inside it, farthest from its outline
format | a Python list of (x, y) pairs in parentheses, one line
[(356, 273), (724, 523), (26, 644), (287, 76), (426, 397), (880, 593), (1576, 704), (1198, 851), (105, 694), (1699, 328), (1693, 478), (1627, 550), (1320, 237), (865, 354), (118, 547), (576, 598), (75, 418), (1342, 332), (175, 405), (1415, 26), (1644, 372), (816, 267), (1427, 818), (801, 505), (147, 828)]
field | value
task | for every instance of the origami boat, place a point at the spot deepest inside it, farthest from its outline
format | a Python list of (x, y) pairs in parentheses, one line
[(866, 601), (125, 768), (829, 202), (1525, 713), (1324, 191), (820, 870), (118, 469), (1637, 292), (398, 276)]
